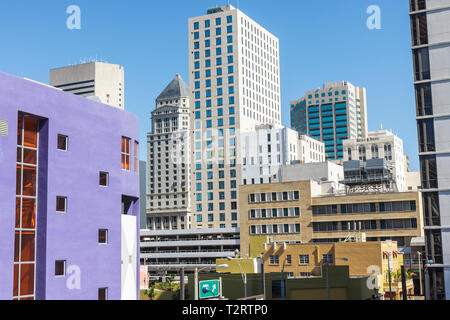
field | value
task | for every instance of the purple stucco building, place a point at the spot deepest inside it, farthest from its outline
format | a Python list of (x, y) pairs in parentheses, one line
[(69, 191)]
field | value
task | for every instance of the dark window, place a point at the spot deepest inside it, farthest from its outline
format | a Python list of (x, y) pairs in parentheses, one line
[(289, 259), (61, 204), (417, 5), (424, 101), (60, 268), (103, 181), (429, 172), (276, 289), (102, 236), (419, 29), (431, 209), (62, 142), (103, 294), (421, 64)]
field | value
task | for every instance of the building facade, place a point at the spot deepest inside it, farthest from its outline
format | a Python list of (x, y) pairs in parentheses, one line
[(264, 150), (431, 50), (102, 80), (321, 171), (143, 180), (235, 85), (69, 196), (363, 259), (168, 200), (298, 212), (332, 114), (381, 144), (310, 150), (167, 251)]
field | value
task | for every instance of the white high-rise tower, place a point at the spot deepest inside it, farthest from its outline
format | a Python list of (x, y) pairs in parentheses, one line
[(235, 85)]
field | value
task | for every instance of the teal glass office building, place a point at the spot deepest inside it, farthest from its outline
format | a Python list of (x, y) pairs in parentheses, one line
[(332, 114)]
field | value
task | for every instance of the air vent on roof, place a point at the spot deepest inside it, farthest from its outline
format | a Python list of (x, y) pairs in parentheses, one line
[(3, 128)]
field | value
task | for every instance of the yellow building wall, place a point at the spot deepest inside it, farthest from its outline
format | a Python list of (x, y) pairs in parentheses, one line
[(257, 246), (362, 257), (237, 266)]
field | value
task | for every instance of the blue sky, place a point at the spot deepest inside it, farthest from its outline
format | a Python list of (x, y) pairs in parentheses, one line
[(320, 41)]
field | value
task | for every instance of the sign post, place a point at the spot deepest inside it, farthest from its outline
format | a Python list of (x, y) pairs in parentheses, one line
[(209, 289)]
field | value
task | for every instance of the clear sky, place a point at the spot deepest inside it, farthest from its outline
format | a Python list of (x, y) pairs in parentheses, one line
[(320, 41)]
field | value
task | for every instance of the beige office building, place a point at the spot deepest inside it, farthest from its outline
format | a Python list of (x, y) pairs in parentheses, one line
[(97, 80), (299, 212), (168, 199), (235, 85)]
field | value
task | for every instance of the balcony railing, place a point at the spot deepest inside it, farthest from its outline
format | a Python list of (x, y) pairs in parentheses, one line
[(186, 251)]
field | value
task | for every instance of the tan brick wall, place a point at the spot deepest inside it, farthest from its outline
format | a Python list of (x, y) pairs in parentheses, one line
[(360, 256)]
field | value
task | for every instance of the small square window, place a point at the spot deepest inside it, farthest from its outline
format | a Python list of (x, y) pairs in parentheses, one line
[(61, 204), (60, 268), (62, 142), (103, 236), (103, 294), (104, 179)]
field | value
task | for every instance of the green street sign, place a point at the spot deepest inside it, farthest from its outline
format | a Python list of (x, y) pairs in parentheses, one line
[(209, 289)]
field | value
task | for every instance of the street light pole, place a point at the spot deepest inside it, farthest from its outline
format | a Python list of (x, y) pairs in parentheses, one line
[(196, 284), (328, 282), (182, 285), (390, 280), (263, 279), (243, 275), (327, 276), (245, 284), (420, 274)]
